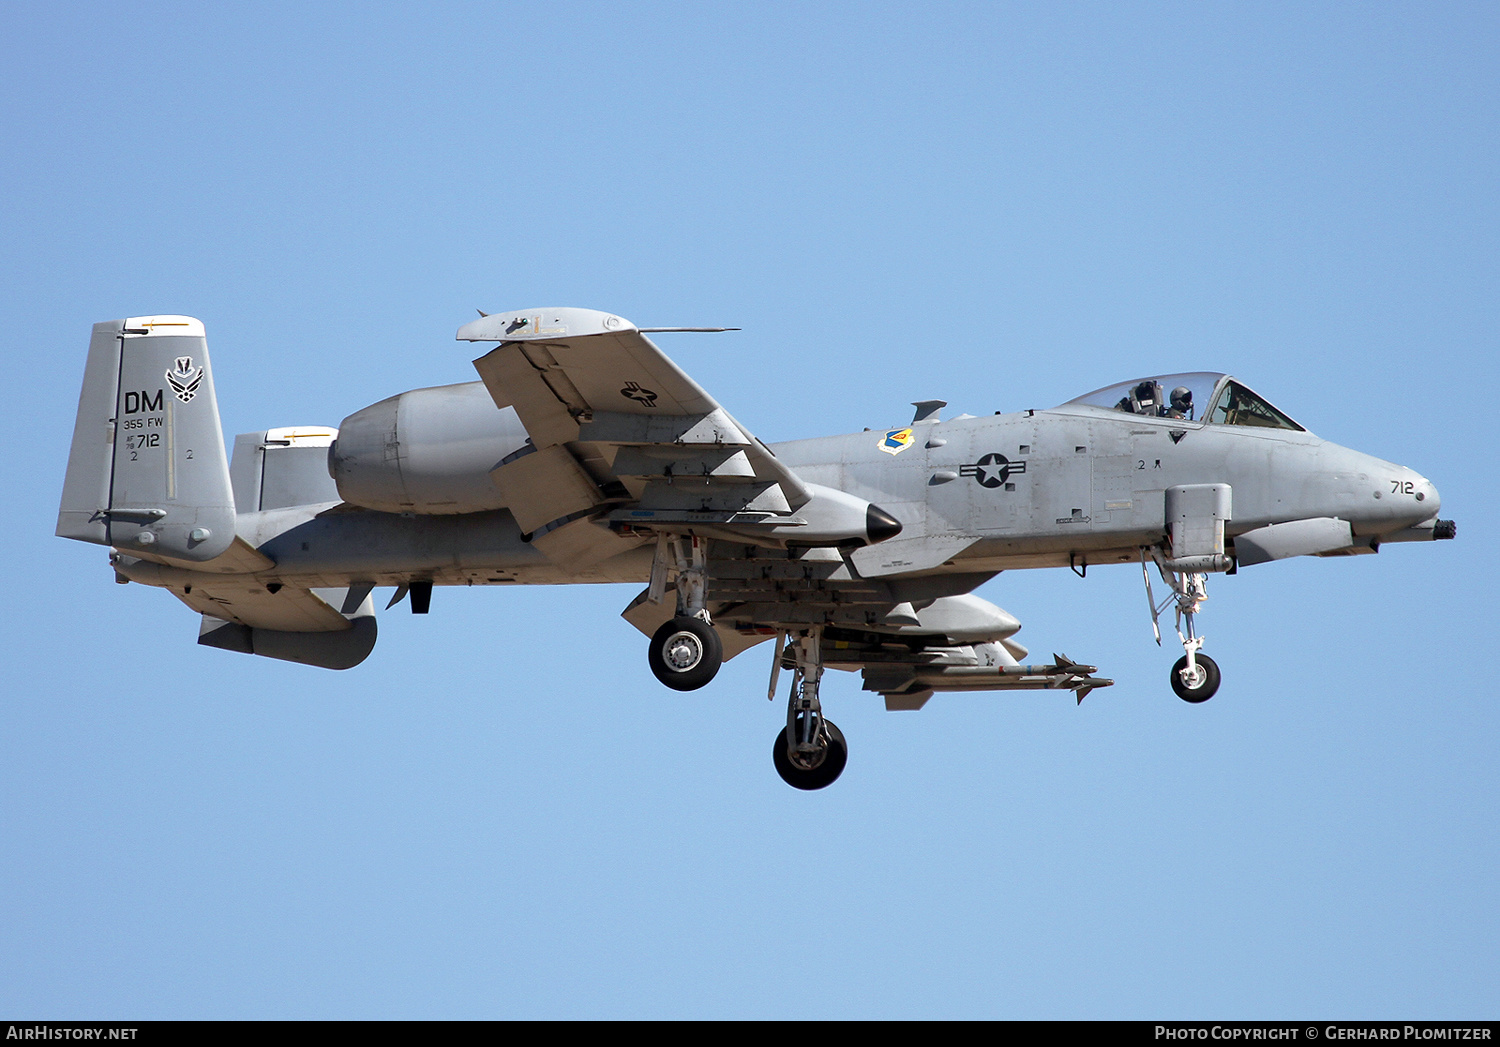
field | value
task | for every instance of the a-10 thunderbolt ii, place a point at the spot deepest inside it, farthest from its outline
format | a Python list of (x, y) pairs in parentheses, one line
[(586, 455)]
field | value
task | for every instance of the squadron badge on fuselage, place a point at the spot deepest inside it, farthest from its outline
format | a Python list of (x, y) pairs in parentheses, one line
[(896, 440)]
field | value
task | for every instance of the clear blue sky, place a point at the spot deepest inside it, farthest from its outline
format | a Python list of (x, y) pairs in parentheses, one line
[(501, 813)]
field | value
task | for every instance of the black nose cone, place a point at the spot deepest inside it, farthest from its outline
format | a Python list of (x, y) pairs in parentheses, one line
[(880, 525)]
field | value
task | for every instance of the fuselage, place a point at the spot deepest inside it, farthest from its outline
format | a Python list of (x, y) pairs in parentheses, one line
[(1077, 484), (1051, 488), (586, 455)]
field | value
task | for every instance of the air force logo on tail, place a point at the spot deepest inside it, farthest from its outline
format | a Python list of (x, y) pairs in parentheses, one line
[(184, 379)]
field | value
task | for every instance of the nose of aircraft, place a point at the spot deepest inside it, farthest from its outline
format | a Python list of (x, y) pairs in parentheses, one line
[(1385, 498), (1408, 499), (1413, 503), (1421, 492), (1427, 495)]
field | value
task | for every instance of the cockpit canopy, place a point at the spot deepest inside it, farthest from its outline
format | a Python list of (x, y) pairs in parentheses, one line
[(1202, 396)]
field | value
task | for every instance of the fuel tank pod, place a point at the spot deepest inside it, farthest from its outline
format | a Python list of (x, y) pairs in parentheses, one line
[(427, 451)]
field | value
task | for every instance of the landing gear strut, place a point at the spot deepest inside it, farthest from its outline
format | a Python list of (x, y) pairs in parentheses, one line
[(1195, 677), (810, 752), (686, 652)]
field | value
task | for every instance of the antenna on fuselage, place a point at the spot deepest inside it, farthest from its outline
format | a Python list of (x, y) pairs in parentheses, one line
[(927, 411)]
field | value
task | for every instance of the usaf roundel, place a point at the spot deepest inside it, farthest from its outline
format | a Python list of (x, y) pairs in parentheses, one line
[(992, 470)]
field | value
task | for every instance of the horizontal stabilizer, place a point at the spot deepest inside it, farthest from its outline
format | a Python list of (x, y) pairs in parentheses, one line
[(250, 603), (280, 468), (329, 628), (341, 650)]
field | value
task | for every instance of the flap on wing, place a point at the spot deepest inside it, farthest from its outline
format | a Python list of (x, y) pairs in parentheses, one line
[(544, 486), (895, 703), (579, 376), (288, 609), (582, 543)]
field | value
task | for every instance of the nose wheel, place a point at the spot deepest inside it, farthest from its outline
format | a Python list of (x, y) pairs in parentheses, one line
[(1196, 682)]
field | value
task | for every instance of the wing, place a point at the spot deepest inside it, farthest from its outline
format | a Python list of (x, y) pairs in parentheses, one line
[(620, 434)]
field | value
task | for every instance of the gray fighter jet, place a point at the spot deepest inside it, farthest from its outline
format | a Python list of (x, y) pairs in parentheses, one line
[(586, 455)]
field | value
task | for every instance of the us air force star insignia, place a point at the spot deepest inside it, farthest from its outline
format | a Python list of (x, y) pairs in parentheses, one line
[(634, 392), (896, 441), (185, 378), (992, 470)]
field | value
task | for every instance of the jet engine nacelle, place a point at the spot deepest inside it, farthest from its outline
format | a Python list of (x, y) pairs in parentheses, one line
[(431, 451), (426, 451)]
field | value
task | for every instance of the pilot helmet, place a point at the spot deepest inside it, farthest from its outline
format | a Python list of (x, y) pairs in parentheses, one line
[(1182, 398)]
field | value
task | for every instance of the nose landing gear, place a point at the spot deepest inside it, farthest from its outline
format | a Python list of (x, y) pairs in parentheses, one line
[(1195, 677)]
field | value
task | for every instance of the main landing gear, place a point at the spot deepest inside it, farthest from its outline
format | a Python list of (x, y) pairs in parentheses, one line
[(1195, 677), (810, 752), (686, 652)]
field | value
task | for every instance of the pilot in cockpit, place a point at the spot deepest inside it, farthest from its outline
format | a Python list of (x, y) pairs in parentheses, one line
[(1182, 403)]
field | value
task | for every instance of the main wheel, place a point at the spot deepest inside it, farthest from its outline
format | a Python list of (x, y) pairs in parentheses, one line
[(1201, 689), (825, 773), (686, 653)]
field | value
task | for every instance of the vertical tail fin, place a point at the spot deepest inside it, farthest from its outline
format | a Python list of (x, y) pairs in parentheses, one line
[(147, 470)]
